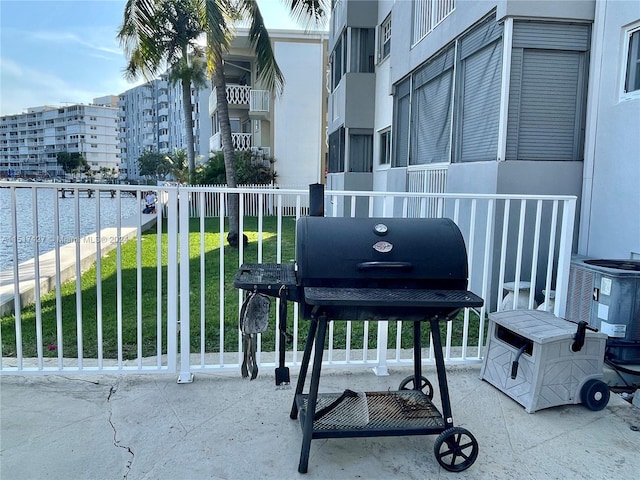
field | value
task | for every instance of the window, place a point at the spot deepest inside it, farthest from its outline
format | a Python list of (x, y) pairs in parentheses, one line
[(336, 151), (362, 50), (385, 39), (632, 78), (339, 60), (427, 14), (547, 96), (360, 153), (385, 147), (402, 110), (479, 80), (431, 110)]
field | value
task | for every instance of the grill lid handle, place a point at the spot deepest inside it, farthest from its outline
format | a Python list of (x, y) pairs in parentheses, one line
[(405, 266)]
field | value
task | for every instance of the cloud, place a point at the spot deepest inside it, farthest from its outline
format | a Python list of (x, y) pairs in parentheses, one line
[(24, 87), (9, 67), (68, 37)]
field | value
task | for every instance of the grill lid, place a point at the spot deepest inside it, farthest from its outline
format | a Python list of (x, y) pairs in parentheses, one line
[(381, 252)]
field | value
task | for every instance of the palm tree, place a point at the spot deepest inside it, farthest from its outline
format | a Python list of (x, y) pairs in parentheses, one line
[(178, 165), (161, 34), (156, 33), (219, 20)]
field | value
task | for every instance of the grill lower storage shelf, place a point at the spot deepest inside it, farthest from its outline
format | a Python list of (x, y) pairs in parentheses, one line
[(404, 412)]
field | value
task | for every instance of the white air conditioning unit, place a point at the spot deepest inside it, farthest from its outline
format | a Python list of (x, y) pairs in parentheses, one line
[(606, 293)]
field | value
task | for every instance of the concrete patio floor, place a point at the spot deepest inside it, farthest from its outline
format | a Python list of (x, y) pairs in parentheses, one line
[(224, 427)]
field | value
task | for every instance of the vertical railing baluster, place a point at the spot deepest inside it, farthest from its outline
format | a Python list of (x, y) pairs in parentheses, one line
[(534, 255), (17, 301), (99, 326), (36, 275), (203, 253), (138, 282), (172, 279), (79, 343), (184, 288)]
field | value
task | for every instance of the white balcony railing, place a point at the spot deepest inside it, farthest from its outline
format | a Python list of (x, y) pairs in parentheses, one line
[(241, 142), (426, 179), (509, 238), (237, 95), (259, 101)]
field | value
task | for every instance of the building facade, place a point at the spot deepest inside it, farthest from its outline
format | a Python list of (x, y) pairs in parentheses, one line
[(31, 141), (501, 97), (151, 118), (290, 127)]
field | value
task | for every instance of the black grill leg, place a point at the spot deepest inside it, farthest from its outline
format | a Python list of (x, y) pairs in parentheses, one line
[(312, 398), (417, 356), (304, 366)]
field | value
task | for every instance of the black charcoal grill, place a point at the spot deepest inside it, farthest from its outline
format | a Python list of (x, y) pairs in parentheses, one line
[(358, 269)]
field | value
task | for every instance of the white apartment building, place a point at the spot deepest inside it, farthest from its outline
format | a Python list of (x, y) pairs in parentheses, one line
[(151, 119), (290, 127), (488, 96), (30, 142)]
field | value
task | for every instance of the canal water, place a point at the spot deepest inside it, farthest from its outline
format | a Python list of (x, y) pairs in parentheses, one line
[(26, 237)]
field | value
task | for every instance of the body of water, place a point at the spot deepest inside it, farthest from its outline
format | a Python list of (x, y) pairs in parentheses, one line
[(26, 236)]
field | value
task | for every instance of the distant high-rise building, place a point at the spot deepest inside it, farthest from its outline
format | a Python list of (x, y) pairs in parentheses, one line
[(30, 142), (151, 118)]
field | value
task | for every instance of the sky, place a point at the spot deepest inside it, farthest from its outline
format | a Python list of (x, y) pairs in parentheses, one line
[(57, 52)]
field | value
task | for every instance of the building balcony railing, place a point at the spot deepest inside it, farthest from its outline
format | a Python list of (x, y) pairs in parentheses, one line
[(243, 96), (241, 142)]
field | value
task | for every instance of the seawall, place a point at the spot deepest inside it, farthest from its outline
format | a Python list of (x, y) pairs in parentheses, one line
[(108, 239)]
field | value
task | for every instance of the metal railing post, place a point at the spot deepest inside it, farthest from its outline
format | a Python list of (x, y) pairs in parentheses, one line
[(383, 333), (172, 279), (185, 324), (564, 256)]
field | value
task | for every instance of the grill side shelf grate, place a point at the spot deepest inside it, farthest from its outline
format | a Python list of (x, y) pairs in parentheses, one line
[(267, 278)]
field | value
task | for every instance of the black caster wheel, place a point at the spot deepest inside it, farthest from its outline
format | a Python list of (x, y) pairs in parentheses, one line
[(595, 394), (425, 386), (456, 449)]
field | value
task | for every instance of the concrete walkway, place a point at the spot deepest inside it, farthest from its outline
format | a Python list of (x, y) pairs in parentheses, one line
[(108, 241), (224, 427)]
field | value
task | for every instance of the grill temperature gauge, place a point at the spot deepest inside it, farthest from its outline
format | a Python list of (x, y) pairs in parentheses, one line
[(380, 229)]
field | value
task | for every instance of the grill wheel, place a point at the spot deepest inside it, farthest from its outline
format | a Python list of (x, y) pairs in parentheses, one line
[(425, 385), (456, 449)]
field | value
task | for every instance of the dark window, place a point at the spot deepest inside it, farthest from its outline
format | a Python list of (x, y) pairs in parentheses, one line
[(632, 81), (338, 61), (401, 124), (362, 50), (336, 151), (385, 147), (360, 153)]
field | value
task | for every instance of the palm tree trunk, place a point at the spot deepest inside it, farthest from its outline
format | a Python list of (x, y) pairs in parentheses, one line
[(188, 125), (228, 151)]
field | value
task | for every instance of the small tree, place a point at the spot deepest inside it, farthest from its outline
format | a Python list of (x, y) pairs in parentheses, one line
[(154, 165), (250, 169), (71, 162), (178, 163)]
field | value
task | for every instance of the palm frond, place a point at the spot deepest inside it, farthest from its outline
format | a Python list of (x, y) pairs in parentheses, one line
[(311, 14), (268, 71), (218, 20)]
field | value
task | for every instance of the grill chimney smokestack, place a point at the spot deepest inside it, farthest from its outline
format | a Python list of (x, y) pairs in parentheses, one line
[(316, 200)]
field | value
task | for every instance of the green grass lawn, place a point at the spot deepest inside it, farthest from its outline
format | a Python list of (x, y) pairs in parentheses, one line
[(127, 328)]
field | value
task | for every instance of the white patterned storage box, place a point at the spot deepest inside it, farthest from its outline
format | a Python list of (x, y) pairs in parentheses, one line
[(549, 372)]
